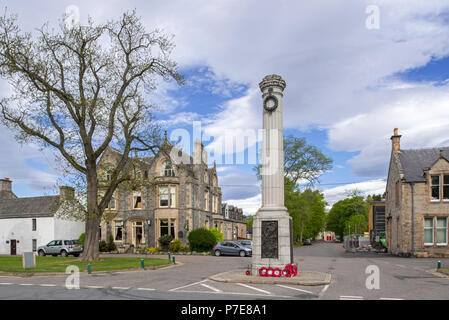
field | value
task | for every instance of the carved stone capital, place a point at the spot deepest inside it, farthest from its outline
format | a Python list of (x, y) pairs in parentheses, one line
[(272, 80)]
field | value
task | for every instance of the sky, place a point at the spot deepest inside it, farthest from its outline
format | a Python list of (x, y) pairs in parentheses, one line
[(354, 69)]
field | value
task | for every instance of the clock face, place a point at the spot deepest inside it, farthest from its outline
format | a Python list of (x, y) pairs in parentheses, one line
[(270, 103)]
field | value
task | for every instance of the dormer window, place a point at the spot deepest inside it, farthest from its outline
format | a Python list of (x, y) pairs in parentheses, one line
[(167, 169), (435, 188), (446, 187)]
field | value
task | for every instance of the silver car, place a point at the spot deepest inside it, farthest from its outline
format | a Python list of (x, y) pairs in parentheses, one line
[(231, 248), (61, 247)]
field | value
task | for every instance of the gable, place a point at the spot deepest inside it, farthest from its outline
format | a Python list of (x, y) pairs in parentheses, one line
[(440, 165)]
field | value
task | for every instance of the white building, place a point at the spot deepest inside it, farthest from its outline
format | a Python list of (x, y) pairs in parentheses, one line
[(27, 223)]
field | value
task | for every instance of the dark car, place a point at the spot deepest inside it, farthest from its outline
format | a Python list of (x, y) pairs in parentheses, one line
[(246, 243), (307, 242), (231, 248)]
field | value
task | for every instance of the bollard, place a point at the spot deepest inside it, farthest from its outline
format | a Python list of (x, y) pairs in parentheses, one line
[(439, 265), (142, 263), (174, 260), (169, 256), (88, 269)]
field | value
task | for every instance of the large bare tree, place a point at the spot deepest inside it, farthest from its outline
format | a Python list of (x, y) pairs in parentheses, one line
[(79, 90)]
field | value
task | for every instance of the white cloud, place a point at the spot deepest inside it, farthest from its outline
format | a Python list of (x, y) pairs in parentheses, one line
[(338, 72), (249, 205), (333, 195)]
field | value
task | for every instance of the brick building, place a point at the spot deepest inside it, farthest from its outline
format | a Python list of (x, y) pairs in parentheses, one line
[(178, 198), (417, 201)]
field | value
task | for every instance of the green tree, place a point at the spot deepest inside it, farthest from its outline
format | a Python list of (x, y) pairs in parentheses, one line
[(81, 89), (307, 209), (339, 218)]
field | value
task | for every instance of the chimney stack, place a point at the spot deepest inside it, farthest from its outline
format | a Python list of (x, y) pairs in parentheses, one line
[(66, 193), (6, 185), (396, 140)]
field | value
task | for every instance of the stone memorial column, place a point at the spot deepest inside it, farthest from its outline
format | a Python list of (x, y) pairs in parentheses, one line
[(272, 225)]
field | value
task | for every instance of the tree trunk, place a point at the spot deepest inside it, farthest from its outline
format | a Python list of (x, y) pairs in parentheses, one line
[(91, 251)]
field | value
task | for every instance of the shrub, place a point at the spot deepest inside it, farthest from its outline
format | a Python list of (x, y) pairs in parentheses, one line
[(176, 246), (103, 246), (82, 238), (217, 234), (201, 240), (111, 245), (165, 240), (154, 249)]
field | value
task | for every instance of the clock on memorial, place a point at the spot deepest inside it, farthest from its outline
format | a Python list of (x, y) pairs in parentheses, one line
[(271, 102)]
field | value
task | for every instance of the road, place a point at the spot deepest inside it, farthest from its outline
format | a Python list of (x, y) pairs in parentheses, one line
[(400, 278)]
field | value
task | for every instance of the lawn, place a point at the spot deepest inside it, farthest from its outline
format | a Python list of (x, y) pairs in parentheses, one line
[(59, 264), (444, 270)]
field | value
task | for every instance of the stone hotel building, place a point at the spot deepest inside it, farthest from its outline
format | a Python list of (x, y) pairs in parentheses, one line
[(181, 197)]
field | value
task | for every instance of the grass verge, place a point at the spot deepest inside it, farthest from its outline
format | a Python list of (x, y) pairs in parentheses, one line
[(59, 264)]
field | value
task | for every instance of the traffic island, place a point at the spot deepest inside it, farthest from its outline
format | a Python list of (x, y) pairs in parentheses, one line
[(304, 278)]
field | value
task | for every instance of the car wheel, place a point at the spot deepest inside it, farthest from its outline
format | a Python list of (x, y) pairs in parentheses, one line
[(41, 253), (64, 253), (217, 253), (76, 254), (242, 253)]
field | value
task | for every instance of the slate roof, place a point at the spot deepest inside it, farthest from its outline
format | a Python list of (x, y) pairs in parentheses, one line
[(29, 207), (414, 161)]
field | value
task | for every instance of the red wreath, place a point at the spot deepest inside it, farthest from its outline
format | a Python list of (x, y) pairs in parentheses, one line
[(269, 272), (263, 272), (277, 272), (248, 272)]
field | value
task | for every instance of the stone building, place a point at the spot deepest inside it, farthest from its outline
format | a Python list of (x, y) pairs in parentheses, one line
[(417, 201), (230, 223), (27, 223), (179, 197)]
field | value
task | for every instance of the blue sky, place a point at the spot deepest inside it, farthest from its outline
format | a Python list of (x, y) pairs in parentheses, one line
[(348, 85)]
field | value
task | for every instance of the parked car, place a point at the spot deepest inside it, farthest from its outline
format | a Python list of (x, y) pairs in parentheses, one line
[(231, 248), (61, 247), (246, 243), (307, 242)]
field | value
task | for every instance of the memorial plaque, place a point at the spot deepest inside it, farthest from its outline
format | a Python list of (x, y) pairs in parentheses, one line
[(270, 242)]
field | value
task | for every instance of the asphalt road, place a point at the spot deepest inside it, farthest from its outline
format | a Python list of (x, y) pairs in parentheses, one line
[(399, 278)]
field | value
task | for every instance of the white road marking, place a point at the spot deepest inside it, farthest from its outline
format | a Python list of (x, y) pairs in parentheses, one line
[(400, 265), (257, 289), (47, 285), (192, 284), (323, 291), (390, 299), (25, 284), (351, 298), (241, 293), (6, 284), (145, 289), (297, 289), (211, 288), (120, 288), (95, 287)]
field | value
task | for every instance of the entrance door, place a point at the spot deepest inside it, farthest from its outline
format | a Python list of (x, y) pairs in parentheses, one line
[(13, 247)]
